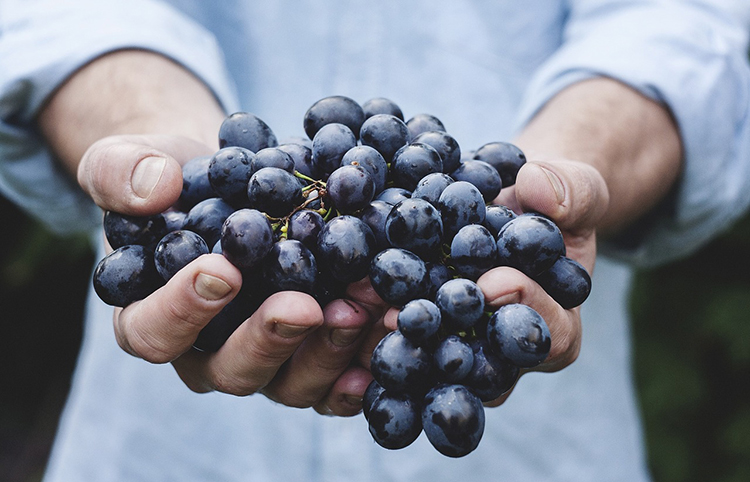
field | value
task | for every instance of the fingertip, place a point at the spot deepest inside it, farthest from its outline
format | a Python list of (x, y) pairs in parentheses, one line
[(345, 397)]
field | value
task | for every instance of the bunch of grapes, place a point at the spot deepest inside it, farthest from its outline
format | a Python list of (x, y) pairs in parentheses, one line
[(367, 194)]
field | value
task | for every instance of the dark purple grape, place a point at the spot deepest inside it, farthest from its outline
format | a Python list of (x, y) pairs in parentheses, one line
[(246, 238), (423, 123), (372, 392), (274, 191), (506, 158), (175, 220), (381, 105), (473, 251), (207, 217), (400, 366), (290, 266), (482, 175), (195, 184), (371, 160), (246, 130), (385, 133), (350, 188), (497, 217), (329, 146), (176, 250), (490, 375), (460, 204), (125, 275), (415, 225), (419, 321), (123, 230), (413, 162), (336, 109), (328, 288), (302, 156), (374, 215), (305, 226), (566, 281), (461, 303), (272, 157), (398, 276), (393, 195), (395, 420), (220, 328), (518, 333), (453, 359), (445, 145), (530, 243), (228, 173), (453, 420), (437, 274), (346, 247), (431, 187)]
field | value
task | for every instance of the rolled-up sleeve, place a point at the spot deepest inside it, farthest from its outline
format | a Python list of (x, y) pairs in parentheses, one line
[(42, 43), (692, 57)]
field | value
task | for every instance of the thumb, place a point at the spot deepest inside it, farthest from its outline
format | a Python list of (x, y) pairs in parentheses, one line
[(136, 175), (573, 194)]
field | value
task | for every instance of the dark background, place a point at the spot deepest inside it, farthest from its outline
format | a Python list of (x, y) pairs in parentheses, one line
[(691, 329)]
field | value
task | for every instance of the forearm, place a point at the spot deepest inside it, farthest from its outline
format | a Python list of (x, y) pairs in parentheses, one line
[(128, 92), (630, 139)]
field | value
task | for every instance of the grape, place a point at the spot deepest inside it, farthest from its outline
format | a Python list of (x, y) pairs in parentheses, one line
[(371, 160), (530, 243), (381, 105), (290, 266), (506, 158), (453, 420), (431, 186), (461, 303), (413, 162), (125, 275), (400, 366), (482, 175), (302, 157), (490, 376), (174, 220), (496, 217), (375, 215), (305, 226), (221, 326), (566, 281), (437, 275), (122, 230), (228, 173), (207, 217), (246, 130), (195, 184), (393, 195), (329, 146), (519, 334), (415, 225), (398, 276), (419, 321), (350, 188), (346, 247), (176, 250), (372, 392), (246, 238), (394, 420), (423, 123), (473, 251), (445, 145), (460, 204), (385, 133), (453, 359), (334, 109), (274, 191), (272, 157)]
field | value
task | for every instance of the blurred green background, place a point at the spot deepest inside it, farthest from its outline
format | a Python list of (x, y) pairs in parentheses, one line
[(691, 329)]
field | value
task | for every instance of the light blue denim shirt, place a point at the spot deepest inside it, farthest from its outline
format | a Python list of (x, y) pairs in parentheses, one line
[(484, 68)]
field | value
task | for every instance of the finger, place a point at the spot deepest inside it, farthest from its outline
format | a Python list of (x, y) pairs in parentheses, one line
[(164, 325), (257, 349), (136, 175), (322, 357), (345, 397), (502, 286)]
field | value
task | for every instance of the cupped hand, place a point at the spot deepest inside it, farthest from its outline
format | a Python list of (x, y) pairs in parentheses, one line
[(289, 349)]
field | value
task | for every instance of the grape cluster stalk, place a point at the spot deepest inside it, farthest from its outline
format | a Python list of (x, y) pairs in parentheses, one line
[(366, 194)]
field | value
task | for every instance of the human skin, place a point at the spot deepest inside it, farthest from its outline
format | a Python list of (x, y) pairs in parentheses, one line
[(601, 155)]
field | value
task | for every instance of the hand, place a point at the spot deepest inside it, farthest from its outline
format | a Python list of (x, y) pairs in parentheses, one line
[(289, 349)]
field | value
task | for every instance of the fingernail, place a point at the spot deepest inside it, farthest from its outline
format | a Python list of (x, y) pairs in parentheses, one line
[(556, 183), (211, 287), (289, 331), (146, 175), (344, 336)]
